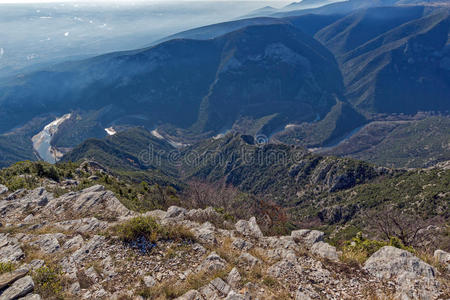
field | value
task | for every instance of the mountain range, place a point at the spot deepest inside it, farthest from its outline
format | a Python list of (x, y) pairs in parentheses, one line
[(310, 79)]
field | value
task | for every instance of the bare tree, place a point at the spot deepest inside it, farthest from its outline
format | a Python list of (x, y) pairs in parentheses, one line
[(408, 226), (271, 217)]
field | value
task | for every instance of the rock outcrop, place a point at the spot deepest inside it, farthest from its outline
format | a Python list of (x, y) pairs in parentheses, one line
[(443, 258), (75, 234), (414, 278), (249, 228)]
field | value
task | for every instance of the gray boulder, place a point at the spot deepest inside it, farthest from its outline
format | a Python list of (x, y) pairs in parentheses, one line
[(149, 281), (307, 237), (205, 233), (10, 250), (302, 296), (249, 259), (175, 211), (92, 245), (234, 296), (443, 258), (241, 244), (8, 278), (18, 289), (48, 243), (221, 286), (74, 243), (213, 263), (415, 279), (249, 228), (88, 202), (325, 250), (202, 215), (389, 262), (234, 278)]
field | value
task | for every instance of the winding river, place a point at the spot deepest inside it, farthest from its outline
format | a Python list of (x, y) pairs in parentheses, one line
[(42, 140)]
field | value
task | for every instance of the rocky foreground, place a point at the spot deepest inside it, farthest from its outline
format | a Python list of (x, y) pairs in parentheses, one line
[(63, 247)]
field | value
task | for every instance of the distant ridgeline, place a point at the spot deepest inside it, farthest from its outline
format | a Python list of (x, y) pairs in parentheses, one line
[(315, 77)]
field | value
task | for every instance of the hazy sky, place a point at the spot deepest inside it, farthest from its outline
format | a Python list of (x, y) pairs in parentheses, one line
[(123, 1)]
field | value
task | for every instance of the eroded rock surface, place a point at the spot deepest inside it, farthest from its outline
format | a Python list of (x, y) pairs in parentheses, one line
[(74, 232)]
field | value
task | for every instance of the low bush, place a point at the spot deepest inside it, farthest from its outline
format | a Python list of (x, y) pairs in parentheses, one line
[(6, 267), (139, 227), (359, 249), (48, 282), (147, 228)]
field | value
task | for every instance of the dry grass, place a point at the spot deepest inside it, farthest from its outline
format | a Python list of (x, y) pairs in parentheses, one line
[(226, 251), (259, 254), (353, 258), (372, 293), (172, 289)]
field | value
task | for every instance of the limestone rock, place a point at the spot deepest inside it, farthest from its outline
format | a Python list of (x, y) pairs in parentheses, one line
[(31, 297), (241, 244), (234, 296), (156, 214), (48, 243), (88, 202), (234, 278), (91, 274), (75, 288), (92, 245), (82, 225), (443, 258), (390, 261), (149, 281), (19, 288), (213, 263), (285, 268), (221, 286), (202, 215), (249, 228), (325, 250), (175, 211), (307, 237), (249, 259), (74, 243), (8, 278), (108, 267), (302, 296), (209, 292), (191, 295), (414, 277), (10, 250), (205, 233), (35, 264)]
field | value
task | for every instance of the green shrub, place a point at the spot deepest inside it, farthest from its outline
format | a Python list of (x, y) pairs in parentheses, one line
[(148, 228), (48, 282), (17, 183), (6, 267), (359, 249), (139, 227)]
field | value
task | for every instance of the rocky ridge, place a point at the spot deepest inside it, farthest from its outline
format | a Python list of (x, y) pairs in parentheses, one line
[(72, 234)]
